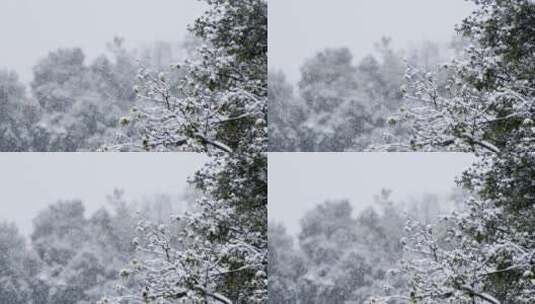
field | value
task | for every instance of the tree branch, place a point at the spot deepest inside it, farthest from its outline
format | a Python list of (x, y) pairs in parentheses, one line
[(481, 143), (483, 296), (219, 297), (214, 143)]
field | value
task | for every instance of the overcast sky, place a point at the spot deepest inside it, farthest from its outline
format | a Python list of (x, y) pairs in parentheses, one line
[(300, 181), (300, 28), (31, 28), (32, 181)]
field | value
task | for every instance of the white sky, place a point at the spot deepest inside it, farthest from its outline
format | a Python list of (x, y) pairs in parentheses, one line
[(32, 181), (31, 28), (300, 181), (300, 28)]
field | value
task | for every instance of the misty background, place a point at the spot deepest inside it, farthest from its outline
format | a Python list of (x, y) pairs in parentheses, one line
[(33, 181), (300, 181), (300, 28), (337, 221), (69, 70), (70, 222), (338, 69), (32, 28)]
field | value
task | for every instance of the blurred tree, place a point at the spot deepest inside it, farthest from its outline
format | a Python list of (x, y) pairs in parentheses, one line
[(336, 108), (81, 104), (14, 284), (81, 257), (57, 78), (286, 266), (17, 114), (285, 113)]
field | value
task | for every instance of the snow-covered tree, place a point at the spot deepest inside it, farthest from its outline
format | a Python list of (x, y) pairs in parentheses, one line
[(219, 107), (487, 103), (221, 100), (487, 108)]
